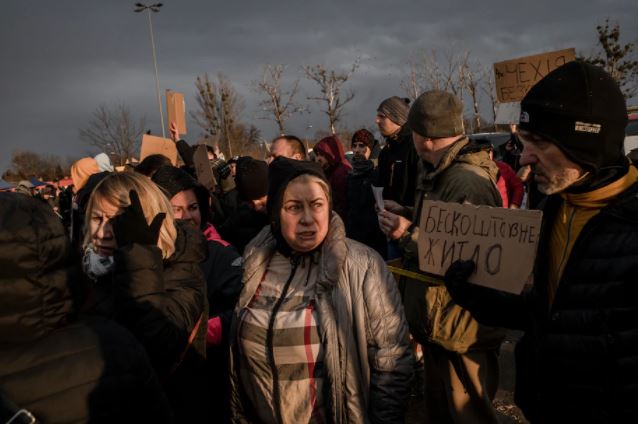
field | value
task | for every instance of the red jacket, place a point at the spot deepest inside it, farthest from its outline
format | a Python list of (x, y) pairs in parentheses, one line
[(509, 185), (337, 172)]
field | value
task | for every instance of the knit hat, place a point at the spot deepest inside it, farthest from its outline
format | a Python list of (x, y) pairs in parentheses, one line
[(82, 170), (436, 114), (281, 171), (396, 109), (581, 109), (104, 162), (251, 179), (363, 136), (173, 180)]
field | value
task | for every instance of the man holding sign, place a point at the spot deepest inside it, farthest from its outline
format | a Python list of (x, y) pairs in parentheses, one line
[(460, 355), (578, 359)]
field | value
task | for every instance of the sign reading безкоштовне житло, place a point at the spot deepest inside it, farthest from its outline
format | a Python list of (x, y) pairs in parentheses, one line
[(502, 242)]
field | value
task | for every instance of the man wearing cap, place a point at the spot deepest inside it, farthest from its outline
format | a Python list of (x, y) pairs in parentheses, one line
[(460, 355), (578, 359), (398, 159)]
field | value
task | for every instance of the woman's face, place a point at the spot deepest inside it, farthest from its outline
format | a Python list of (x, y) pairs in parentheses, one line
[(304, 215), (186, 207), (101, 227)]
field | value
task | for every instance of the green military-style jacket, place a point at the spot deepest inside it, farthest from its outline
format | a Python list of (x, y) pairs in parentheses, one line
[(465, 173)]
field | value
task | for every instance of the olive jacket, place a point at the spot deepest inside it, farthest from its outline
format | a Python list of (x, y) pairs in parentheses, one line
[(465, 173)]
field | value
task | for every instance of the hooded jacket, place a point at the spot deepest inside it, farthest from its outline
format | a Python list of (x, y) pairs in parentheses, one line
[(465, 173), (59, 368), (367, 362), (337, 172)]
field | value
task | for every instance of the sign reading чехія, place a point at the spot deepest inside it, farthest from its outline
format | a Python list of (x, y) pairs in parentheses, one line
[(515, 77), (502, 242)]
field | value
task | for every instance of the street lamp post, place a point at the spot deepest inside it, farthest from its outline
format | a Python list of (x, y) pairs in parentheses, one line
[(139, 7)]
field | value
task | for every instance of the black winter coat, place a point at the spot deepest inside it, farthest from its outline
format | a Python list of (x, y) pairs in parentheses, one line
[(223, 272), (398, 168), (578, 359), (362, 223), (242, 226), (58, 368), (162, 302)]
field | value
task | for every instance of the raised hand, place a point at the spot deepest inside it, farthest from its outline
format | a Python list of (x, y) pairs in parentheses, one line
[(131, 227)]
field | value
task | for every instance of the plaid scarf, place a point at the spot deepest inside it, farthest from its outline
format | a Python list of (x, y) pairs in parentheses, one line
[(281, 368)]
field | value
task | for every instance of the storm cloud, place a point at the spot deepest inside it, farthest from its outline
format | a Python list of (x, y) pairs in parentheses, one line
[(62, 59)]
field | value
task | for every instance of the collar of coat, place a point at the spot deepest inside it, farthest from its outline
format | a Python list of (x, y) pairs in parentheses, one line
[(332, 255), (462, 152)]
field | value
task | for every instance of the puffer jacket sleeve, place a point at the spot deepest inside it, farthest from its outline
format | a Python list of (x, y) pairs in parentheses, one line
[(389, 355), (160, 307)]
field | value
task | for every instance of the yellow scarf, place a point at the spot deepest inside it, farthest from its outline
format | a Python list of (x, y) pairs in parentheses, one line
[(575, 211)]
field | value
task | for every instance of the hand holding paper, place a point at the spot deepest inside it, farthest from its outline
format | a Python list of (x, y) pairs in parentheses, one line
[(174, 131), (378, 197), (393, 225), (394, 207)]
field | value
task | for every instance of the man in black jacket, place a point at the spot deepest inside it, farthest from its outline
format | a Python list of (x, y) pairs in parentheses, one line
[(578, 359), (398, 160)]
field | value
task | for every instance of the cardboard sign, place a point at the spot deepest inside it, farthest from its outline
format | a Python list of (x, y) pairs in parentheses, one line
[(515, 77), (202, 168), (176, 110), (502, 242), (152, 145)]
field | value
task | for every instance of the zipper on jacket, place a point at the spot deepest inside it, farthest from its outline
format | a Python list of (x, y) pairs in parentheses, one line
[(269, 340), (564, 254)]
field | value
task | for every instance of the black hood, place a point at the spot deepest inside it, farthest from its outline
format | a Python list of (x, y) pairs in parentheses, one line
[(173, 180)]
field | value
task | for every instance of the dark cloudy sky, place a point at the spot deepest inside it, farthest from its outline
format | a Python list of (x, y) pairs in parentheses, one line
[(60, 59)]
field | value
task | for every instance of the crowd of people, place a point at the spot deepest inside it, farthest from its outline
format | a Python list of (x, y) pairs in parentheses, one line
[(146, 296)]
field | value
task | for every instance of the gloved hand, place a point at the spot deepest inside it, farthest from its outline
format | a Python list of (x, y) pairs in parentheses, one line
[(488, 306), (131, 227), (456, 281)]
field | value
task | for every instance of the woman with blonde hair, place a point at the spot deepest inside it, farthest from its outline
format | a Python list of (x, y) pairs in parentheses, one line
[(319, 333), (146, 275)]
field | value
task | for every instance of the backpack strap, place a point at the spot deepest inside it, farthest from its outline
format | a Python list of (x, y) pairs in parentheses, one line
[(182, 355)]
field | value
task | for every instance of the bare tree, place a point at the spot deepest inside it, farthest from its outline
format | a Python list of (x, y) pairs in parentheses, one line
[(618, 60), (472, 78), (428, 72), (115, 132), (489, 89), (411, 85), (219, 109), (26, 163), (330, 83), (278, 103)]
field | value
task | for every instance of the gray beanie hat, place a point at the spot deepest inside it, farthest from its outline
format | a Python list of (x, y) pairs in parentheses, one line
[(437, 114), (396, 109)]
